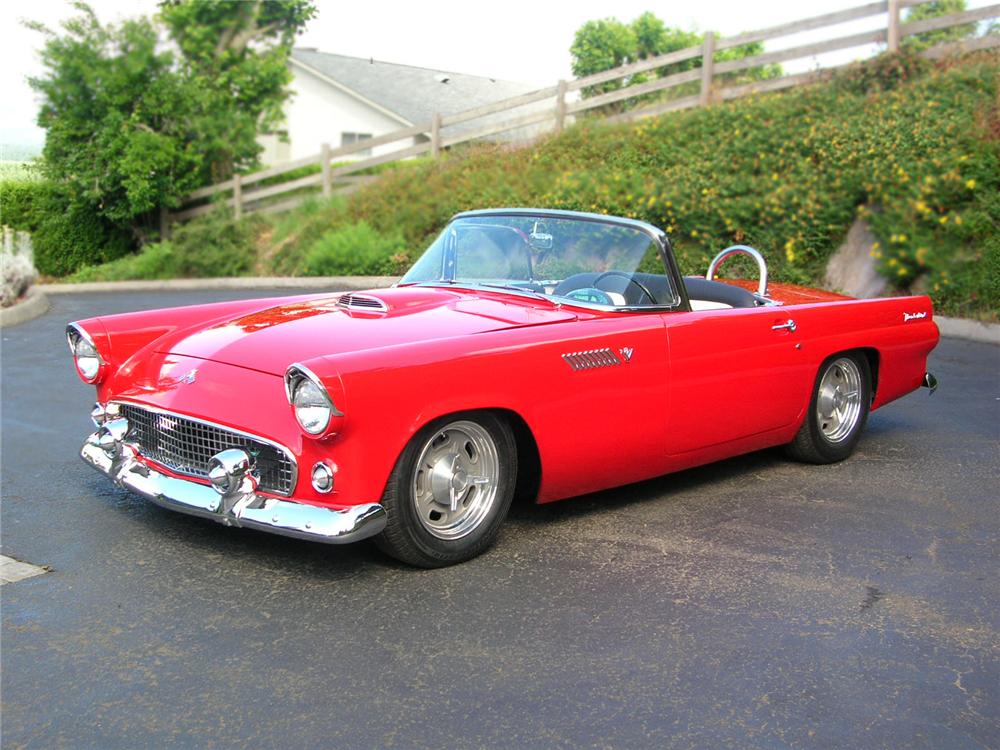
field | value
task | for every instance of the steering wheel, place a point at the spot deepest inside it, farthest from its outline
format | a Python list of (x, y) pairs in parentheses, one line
[(590, 294), (631, 280)]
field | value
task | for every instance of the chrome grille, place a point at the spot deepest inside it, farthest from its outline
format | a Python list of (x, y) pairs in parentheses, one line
[(186, 445), (591, 359), (362, 302)]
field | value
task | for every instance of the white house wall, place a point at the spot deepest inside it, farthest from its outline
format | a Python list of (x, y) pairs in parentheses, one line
[(318, 113)]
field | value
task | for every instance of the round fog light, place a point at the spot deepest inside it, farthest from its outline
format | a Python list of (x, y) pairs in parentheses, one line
[(322, 476)]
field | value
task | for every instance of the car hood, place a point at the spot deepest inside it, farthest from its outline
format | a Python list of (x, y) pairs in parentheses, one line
[(270, 339)]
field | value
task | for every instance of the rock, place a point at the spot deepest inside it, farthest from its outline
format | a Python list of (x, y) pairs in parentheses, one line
[(17, 266), (852, 269)]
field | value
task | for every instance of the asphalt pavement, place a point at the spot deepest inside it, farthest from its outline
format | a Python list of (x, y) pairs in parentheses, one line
[(754, 603)]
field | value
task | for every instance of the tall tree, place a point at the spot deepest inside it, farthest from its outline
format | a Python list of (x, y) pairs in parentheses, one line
[(235, 55)]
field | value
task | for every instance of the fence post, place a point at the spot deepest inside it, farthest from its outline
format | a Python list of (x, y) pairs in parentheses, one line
[(707, 68), (561, 105), (436, 135), (237, 197), (324, 155), (894, 25), (164, 224)]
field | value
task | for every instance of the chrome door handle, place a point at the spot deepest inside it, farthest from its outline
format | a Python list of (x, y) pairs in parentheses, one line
[(788, 325)]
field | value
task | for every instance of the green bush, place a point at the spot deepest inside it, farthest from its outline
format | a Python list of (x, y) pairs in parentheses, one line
[(155, 261), (20, 203), (65, 237), (212, 245), (356, 250)]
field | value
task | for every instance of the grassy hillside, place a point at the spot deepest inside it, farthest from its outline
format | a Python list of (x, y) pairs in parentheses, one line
[(913, 147)]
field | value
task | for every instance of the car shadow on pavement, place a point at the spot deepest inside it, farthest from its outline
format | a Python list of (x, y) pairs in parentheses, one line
[(660, 488)]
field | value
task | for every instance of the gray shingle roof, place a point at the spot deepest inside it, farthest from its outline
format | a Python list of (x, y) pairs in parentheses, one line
[(414, 94)]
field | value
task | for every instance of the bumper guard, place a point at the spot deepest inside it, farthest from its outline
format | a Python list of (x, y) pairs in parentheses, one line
[(108, 451)]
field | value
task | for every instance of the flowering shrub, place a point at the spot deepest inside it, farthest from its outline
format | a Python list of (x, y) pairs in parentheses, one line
[(912, 148)]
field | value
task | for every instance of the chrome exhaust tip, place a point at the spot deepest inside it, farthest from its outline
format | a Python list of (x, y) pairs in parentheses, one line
[(930, 382)]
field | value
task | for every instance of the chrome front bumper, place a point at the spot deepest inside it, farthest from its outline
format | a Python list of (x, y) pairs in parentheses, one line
[(240, 507)]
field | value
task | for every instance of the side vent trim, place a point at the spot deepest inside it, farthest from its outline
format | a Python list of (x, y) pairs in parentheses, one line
[(592, 359)]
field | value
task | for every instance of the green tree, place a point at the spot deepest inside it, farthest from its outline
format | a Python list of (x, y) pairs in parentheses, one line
[(601, 45), (609, 43), (927, 39), (132, 125)]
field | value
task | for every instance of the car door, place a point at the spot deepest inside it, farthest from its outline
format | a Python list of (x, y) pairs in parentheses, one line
[(734, 373)]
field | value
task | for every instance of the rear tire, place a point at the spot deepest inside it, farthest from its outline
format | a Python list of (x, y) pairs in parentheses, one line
[(837, 411), (450, 491)]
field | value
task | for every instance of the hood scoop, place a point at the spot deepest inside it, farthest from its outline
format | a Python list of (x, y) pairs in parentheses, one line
[(362, 303)]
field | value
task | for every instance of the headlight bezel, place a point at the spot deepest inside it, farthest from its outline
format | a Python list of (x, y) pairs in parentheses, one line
[(78, 338), (295, 376)]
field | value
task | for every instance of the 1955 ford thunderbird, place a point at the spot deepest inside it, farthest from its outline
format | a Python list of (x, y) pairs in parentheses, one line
[(532, 352)]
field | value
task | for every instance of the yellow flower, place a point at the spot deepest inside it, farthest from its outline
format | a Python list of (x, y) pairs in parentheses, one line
[(902, 271), (876, 245), (943, 220), (893, 262), (921, 255), (971, 184), (694, 232)]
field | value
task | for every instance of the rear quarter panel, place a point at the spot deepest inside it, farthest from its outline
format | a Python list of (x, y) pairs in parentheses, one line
[(900, 330)]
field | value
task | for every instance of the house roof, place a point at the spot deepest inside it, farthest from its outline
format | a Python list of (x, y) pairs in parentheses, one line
[(412, 94)]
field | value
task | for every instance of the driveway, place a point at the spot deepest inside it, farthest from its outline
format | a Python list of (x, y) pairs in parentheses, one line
[(752, 603)]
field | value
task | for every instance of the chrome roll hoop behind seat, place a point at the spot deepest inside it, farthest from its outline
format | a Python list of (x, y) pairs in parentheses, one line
[(732, 250)]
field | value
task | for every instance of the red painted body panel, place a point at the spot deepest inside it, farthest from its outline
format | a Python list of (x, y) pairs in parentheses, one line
[(699, 386)]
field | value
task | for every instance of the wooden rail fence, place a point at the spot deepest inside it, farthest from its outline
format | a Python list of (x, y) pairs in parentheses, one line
[(548, 109)]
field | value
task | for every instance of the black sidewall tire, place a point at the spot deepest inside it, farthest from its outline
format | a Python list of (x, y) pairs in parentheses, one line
[(405, 537), (810, 443)]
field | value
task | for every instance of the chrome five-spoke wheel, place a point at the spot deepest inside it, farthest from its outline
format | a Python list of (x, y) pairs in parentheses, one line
[(455, 479), (450, 490), (837, 412), (838, 402)]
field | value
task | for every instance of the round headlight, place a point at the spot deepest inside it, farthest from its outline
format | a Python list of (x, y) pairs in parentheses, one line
[(85, 355), (312, 406), (87, 360)]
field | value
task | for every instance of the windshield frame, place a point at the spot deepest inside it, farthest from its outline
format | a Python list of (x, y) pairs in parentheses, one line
[(670, 268)]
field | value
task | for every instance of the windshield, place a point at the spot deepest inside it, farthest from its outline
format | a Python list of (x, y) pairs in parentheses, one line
[(568, 259)]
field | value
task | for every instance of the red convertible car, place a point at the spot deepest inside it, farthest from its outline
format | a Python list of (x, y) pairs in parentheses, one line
[(532, 352)]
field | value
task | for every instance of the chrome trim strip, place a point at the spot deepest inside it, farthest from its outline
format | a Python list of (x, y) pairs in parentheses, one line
[(290, 382), (246, 510), (288, 453), (75, 329)]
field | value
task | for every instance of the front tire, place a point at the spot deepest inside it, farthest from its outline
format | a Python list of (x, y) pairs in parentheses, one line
[(450, 491), (837, 412)]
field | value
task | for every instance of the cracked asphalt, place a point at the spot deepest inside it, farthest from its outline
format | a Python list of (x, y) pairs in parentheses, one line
[(754, 603)]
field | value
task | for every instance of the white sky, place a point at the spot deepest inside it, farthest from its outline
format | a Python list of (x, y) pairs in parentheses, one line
[(515, 40)]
